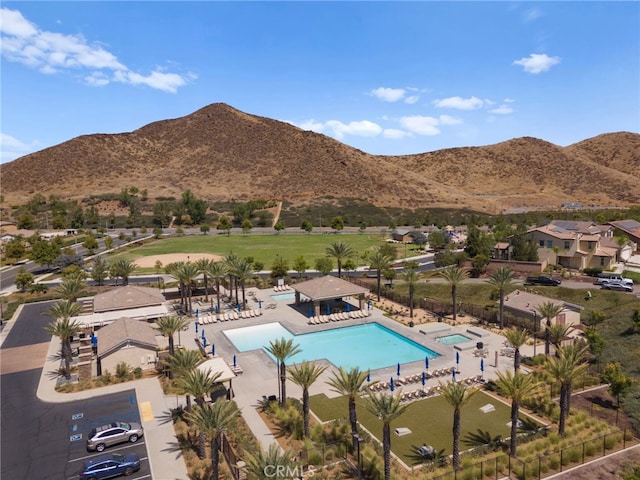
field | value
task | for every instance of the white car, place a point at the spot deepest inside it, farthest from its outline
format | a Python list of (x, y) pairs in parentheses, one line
[(617, 285)]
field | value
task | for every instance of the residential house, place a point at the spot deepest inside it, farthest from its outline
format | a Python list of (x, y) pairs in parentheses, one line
[(629, 229), (576, 245), (401, 235), (133, 342)]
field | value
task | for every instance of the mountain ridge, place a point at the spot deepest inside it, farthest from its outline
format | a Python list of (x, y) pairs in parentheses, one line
[(224, 154)]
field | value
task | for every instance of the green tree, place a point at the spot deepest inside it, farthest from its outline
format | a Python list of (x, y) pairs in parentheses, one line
[(100, 270), (90, 243), (14, 248), (202, 264), (26, 221), (246, 226), (307, 226), (279, 226), (548, 310), (196, 208), (565, 369), (386, 408), (411, 277), (243, 270), (635, 319), (502, 280), (44, 253), (263, 465), (217, 271), (213, 420), (337, 223), (304, 375), (518, 387), (181, 363), (300, 265), (279, 267), (557, 333), (516, 337), (162, 213), (122, 268), (379, 262), (457, 395), (72, 288), (283, 349), (350, 383), (454, 276), (324, 265), (340, 251), (108, 242), (619, 382), (204, 228), (596, 342), (23, 280), (436, 240), (169, 326), (64, 328), (224, 224)]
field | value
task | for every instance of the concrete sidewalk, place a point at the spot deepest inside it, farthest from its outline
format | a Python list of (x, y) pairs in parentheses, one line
[(165, 457)]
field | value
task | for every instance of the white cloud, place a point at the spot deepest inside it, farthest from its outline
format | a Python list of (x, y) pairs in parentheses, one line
[(537, 63), (388, 94), (363, 128), (448, 120), (395, 134), (13, 148), (421, 125), (503, 109), (52, 53), (459, 103), (532, 14), (412, 99), (311, 125)]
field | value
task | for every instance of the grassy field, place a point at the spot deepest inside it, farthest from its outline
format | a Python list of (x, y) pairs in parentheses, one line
[(263, 248), (430, 421)]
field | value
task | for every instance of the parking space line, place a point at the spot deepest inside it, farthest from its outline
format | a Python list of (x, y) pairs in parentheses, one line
[(146, 412), (111, 450)]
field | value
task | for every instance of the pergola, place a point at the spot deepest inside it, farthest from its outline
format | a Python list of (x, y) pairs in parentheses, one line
[(328, 288)]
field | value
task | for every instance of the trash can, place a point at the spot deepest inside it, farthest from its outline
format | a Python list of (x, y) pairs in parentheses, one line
[(479, 345)]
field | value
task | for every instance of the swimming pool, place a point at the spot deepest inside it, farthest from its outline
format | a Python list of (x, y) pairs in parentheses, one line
[(368, 346), (453, 339), (284, 296)]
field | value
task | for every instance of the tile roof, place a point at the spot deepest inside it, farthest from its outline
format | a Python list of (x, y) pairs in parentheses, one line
[(123, 332), (127, 297), (328, 287)]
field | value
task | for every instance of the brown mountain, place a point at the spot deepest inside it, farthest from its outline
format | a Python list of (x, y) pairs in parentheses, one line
[(221, 153)]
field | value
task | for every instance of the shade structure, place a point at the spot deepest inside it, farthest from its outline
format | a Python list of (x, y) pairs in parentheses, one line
[(398, 369), (424, 379), (392, 385), (426, 362)]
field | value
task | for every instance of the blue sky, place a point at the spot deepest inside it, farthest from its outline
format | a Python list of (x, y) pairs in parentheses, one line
[(385, 77)]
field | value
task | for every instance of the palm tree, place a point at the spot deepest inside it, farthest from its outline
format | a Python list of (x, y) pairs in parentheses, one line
[(122, 268), (212, 420), (283, 349), (231, 260), (548, 310), (517, 337), (411, 277), (387, 408), (243, 270), (457, 395), (379, 262), (454, 276), (502, 279), (567, 367), (186, 273), (181, 363), (304, 375), (72, 288), (557, 333), (340, 251), (217, 271), (202, 265), (174, 269), (518, 387), (263, 465), (349, 383), (169, 326), (64, 328)]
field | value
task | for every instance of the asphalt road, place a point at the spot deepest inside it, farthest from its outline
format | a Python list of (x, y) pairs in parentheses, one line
[(42, 440)]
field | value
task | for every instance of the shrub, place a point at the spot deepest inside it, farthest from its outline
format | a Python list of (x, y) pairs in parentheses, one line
[(554, 462), (592, 271), (137, 372), (122, 371)]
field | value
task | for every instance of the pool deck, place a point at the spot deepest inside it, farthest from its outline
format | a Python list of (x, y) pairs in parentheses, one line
[(259, 377)]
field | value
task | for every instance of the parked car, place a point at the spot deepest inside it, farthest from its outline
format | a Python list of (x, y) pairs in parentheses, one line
[(617, 285), (542, 280), (109, 466), (608, 277), (113, 433)]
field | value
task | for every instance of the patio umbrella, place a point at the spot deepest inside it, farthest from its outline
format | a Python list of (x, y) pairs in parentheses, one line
[(328, 309), (391, 385), (217, 309), (234, 361), (213, 349), (260, 304), (482, 366), (204, 342), (369, 304), (310, 312), (368, 377), (239, 308), (457, 358), (196, 324), (426, 362), (398, 369), (197, 312), (348, 307), (203, 333), (453, 372), (424, 379)]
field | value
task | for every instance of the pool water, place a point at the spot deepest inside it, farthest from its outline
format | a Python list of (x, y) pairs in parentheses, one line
[(284, 296), (453, 339), (370, 346)]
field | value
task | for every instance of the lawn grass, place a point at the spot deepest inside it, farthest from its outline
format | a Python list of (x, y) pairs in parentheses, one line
[(430, 421), (263, 248)]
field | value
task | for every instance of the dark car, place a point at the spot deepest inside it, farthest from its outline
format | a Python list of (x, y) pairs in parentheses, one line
[(109, 466), (542, 280), (112, 434)]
